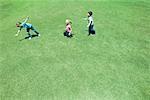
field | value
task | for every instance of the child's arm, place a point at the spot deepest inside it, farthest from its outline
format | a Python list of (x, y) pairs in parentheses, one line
[(90, 22), (21, 26), (26, 19), (18, 31)]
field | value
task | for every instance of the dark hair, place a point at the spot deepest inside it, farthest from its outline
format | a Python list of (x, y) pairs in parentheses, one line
[(90, 13)]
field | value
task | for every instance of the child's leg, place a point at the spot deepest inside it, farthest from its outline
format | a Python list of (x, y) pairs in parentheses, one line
[(28, 31), (65, 33), (70, 35), (36, 32), (32, 28), (89, 30), (92, 30)]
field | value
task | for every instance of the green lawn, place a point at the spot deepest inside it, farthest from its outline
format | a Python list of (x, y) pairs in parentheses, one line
[(113, 65)]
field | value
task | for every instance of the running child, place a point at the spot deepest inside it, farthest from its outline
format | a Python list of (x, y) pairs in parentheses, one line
[(27, 26)]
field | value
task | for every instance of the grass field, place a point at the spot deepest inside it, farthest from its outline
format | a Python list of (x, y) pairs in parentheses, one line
[(113, 65)]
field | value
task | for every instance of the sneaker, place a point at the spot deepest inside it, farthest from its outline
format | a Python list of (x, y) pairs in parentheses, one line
[(39, 35), (29, 38)]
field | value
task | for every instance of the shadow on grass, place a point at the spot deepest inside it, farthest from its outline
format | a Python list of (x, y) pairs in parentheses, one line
[(28, 37)]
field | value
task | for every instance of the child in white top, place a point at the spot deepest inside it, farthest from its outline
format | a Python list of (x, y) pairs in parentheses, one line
[(90, 23)]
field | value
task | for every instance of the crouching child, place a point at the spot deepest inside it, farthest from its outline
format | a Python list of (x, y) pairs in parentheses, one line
[(68, 30)]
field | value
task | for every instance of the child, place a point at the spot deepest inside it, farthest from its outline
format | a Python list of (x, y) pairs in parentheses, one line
[(68, 31), (90, 23), (28, 27)]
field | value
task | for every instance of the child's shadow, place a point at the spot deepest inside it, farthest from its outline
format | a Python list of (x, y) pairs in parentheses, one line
[(28, 37)]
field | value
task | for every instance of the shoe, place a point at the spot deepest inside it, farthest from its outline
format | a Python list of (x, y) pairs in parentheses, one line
[(38, 35), (30, 38)]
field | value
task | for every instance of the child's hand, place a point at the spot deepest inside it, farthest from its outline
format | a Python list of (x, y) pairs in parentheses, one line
[(18, 32), (16, 35)]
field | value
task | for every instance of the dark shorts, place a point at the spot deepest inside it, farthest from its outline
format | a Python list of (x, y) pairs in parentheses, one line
[(91, 29), (32, 28), (67, 34)]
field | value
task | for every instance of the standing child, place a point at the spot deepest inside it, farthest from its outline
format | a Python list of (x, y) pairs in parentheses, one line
[(28, 27), (90, 23), (68, 30)]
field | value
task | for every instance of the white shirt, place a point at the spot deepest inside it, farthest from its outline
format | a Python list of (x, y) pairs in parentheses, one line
[(90, 21)]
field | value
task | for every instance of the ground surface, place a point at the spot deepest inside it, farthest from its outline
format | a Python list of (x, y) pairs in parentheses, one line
[(113, 65)]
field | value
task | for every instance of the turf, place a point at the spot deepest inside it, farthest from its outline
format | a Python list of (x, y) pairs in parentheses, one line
[(113, 65)]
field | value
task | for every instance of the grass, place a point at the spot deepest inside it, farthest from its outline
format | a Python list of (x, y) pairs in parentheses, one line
[(113, 65)]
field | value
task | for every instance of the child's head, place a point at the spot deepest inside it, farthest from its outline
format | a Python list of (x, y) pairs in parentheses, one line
[(90, 13), (68, 21), (18, 24)]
